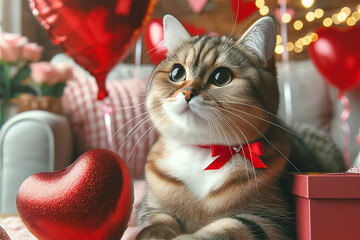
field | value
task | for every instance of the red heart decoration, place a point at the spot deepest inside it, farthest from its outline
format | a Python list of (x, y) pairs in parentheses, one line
[(90, 199), (97, 33), (242, 9), (197, 5), (336, 54), (154, 39)]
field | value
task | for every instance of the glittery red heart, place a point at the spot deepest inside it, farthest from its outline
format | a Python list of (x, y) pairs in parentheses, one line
[(91, 199)]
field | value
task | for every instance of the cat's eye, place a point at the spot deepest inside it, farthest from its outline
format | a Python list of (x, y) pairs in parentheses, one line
[(221, 77), (177, 73)]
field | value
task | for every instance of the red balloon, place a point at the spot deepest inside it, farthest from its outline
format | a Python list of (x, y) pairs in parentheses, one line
[(336, 54), (90, 199), (242, 9), (154, 39), (97, 33)]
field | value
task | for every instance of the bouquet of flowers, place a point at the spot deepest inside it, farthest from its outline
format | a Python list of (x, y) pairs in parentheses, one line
[(16, 53), (26, 81), (48, 83)]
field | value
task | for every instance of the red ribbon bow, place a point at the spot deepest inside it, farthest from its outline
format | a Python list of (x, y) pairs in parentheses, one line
[(250, 151)]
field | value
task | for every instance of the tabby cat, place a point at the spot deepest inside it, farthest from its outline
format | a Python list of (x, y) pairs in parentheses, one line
[(218, 169)]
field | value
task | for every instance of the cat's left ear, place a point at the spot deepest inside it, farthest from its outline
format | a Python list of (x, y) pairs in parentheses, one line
[(174, 32), (261, 37)]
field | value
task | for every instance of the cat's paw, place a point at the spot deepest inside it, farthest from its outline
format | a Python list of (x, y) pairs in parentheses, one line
[(185, 237), (157, 232)]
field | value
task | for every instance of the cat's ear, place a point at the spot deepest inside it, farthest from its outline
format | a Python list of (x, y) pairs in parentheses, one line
[(261, 37), (174, 32)]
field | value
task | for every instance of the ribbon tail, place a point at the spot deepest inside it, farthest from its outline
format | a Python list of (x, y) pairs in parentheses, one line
[(219, 162), (253, 158), (256, 161)]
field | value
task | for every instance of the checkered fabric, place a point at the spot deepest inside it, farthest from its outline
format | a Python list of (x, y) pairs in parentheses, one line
[(132, 131)]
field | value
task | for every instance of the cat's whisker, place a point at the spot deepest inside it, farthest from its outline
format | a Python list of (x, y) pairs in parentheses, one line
[(133, 130), (267, 140), (223, 133), (265, 120), (248, 105), (148, 132), (252, 115), (240, 143), (129, 121), (129, 107)]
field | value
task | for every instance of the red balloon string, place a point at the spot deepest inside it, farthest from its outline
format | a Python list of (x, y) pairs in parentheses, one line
[(345, 126), (107, 110)]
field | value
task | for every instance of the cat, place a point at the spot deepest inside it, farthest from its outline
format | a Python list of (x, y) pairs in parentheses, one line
[(218, 169)]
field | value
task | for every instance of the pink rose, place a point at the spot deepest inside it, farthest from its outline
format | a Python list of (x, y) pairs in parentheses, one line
[(44, 72), (32, 52), (66, 72), (11, 47)]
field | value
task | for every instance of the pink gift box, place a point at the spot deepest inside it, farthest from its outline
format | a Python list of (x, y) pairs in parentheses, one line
[(327, 206)]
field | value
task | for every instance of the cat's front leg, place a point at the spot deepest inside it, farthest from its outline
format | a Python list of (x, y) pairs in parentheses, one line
[(224, 228), (240, 227), (161, 226)]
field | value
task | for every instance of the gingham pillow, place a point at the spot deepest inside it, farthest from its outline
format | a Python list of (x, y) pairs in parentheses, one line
[(132, 134)]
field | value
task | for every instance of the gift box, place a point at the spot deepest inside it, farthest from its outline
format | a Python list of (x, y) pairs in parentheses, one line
[(327, 206)]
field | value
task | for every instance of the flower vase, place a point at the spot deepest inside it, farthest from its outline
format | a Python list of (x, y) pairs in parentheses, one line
[(28, 102), (8, 109)]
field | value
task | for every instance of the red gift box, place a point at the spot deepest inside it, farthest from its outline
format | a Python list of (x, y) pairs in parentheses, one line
[(327, 206)]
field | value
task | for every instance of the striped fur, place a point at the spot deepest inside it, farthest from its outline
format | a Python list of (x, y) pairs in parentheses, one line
[(236, 201)]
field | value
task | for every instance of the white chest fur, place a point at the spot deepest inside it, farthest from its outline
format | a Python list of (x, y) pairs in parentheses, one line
[(187, 163)]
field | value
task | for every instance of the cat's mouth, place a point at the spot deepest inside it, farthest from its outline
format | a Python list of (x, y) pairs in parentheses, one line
[(186, 110)]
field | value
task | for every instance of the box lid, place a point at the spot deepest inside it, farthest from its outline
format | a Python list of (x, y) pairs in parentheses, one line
[(331, 185)]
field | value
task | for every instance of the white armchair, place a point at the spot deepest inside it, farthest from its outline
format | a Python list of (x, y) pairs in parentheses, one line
[(31, 142)]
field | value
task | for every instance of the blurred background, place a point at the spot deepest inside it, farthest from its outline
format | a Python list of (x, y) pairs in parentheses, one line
[(301, 19)]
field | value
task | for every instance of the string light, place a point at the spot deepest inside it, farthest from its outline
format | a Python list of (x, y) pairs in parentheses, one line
[(259, 3), (344, 16), (279, 49), (327, 22), (298, 49), (351, 21), (335, 18), (341, 16), (264, 10), (298, 25), (346, 10), (310, 16), (289, 46), (356, 15), (286, 17), (319, 13), (307, 3), (314, 37)]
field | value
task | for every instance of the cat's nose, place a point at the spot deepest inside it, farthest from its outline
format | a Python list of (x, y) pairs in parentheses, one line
[(188, 93)]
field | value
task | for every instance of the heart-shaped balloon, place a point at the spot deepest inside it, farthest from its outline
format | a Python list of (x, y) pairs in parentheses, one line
[(97, 33), (242, 9), (336, 54), (197, 5), (154, 39), (90, 199)]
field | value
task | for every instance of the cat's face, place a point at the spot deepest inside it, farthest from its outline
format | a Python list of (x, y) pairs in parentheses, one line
[(213, 90)]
